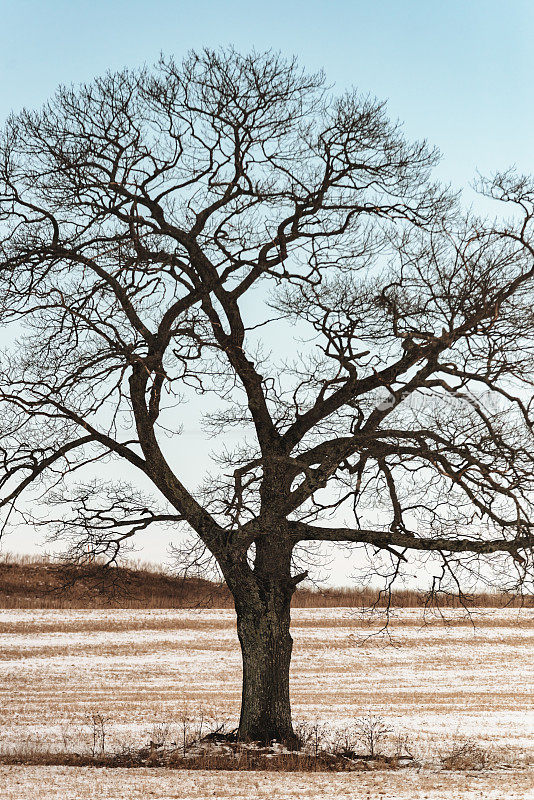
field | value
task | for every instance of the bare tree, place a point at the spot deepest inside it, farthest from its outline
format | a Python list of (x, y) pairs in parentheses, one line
[(155, 227)]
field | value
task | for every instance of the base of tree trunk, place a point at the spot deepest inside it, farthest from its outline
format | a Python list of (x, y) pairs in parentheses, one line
[(266, 646)]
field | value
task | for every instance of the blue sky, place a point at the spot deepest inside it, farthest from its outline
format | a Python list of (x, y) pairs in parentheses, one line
[(457, 73)]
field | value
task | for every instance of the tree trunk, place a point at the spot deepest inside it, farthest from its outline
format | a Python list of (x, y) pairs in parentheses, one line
[(263, 620)]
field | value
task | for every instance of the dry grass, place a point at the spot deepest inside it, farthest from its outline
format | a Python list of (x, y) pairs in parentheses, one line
[(30, 582)]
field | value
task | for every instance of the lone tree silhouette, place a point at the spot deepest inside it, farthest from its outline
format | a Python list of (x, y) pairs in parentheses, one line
[(163, 234)]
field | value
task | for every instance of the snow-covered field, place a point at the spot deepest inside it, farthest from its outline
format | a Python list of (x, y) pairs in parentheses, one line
[(436, 684), (64, 783)]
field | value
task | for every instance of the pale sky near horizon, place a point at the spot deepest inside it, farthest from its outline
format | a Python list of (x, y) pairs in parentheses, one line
[(456, 73)]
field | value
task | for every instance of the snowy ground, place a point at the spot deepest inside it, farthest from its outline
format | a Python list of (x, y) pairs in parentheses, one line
[(436, 684), (64, 783)]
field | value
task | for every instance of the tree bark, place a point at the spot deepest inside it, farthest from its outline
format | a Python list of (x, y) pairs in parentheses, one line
[(263, 621)]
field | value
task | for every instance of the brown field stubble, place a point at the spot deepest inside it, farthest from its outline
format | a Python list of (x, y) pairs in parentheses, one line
[(435, 681)]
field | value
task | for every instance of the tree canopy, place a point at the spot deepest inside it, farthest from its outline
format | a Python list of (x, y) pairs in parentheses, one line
[(157, 225)]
